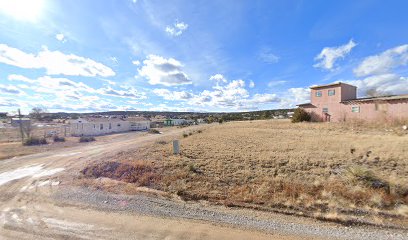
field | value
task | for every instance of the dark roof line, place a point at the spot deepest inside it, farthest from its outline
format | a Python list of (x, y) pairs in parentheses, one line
[(330, 85), (380, 98)]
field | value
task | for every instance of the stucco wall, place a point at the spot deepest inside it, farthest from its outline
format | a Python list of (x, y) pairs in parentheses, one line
[(140, 125), (386, 110)]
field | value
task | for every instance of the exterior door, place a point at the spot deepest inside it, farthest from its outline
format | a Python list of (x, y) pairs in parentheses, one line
[(327, 117)]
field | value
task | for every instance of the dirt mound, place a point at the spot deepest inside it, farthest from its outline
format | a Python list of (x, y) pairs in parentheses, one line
[(141, 173)]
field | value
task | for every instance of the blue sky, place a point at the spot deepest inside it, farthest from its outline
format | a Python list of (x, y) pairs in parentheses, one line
[(229, 55)]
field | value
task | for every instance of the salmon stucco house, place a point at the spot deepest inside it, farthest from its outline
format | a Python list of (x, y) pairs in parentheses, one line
[(338, 102)]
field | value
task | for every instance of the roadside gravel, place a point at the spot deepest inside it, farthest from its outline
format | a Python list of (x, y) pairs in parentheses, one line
[(154, 206)]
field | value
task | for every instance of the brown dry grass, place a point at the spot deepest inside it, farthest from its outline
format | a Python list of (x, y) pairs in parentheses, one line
[(340, 172)]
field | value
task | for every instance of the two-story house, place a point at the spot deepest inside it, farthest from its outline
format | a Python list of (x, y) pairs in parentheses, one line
[(338, 102)]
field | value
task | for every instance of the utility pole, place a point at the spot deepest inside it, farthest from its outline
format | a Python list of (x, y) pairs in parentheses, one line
[(21, 126)]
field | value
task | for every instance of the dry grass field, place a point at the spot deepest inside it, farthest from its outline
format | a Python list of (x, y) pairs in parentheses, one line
[(12, 134), (340, 172)]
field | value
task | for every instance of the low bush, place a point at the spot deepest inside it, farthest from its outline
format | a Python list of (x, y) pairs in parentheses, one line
[(185, 135), (365, 177), (86, 139), (31, 141), (300, 115), (58, 139), (154, 131), (141, 173)]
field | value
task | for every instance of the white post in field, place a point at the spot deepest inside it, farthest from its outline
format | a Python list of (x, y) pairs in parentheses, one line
[(176, 147)]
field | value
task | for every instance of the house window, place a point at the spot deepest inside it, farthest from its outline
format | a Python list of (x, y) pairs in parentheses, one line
[(110, 125), (118, 124), (325, 110), (355, 109), (101, 126), (332, 92), (318, 93), (380, 107), (94, 126)]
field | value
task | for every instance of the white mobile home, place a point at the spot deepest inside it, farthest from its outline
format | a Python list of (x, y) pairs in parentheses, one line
[(138, 123), (100, 126)]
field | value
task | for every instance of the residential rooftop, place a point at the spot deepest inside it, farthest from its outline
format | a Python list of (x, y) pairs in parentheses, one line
[(330, 85), (379, 98)]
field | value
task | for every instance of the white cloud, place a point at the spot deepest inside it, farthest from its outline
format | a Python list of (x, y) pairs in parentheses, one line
[(60, 37), (329, 55), (173, 95), (167, 72), (295, 96), (228, 95), (128, 92), (8, 102), (384, 62), (388, 83), (15, 77), (251, 84), (263, 98), (10, 90), (66, 88), (136, 62), (177, 29), (114, 60), (267, 56), (218, 78), (54, 62)]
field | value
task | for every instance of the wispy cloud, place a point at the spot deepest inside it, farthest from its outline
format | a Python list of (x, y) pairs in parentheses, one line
[(329, 55), (276, 83), (177, 29), (55, 62), (383, 62), (266, 55)]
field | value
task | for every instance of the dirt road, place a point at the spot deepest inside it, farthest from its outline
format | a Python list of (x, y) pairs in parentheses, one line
[(38, 201)]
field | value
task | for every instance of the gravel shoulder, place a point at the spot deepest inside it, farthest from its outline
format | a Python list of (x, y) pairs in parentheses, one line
[(244, 219)]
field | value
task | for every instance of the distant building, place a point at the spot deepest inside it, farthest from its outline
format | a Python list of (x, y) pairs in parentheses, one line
[(200, 121), (3, 114), (338, 102), (15, 122), (100, 126), (290, 114), (138, 123), (174, 122)]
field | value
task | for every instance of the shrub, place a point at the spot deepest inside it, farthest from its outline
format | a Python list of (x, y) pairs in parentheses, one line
[(220, 121), (31, 141), (162, 142), (366, 177), (86, 139), (199, 131), (300, 115), (58, 139), (154, 131), (185, 135)]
